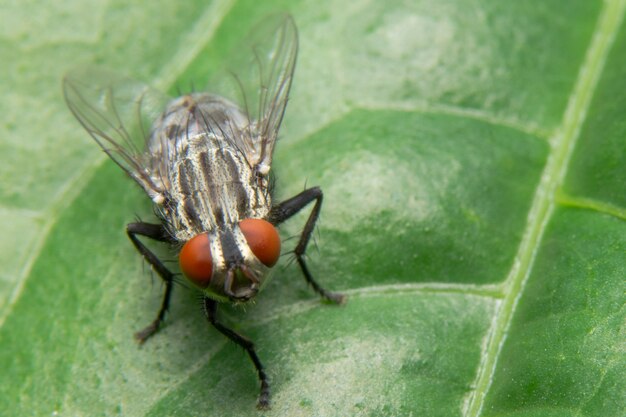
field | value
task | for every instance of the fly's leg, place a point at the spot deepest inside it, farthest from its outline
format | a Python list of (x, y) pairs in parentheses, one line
[(287, 209), (210, 310), (156, 232)]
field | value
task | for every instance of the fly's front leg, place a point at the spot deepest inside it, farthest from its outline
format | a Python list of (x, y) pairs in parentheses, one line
[(210, 310), (289, 208), (156, 232)]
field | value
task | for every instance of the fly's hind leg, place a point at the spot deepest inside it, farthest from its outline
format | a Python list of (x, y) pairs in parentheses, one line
[(156, 232), (289, 208)]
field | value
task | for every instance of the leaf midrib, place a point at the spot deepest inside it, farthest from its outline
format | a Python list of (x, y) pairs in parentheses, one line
[(545, 199)]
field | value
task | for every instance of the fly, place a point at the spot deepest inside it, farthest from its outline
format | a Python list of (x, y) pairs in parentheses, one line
[(205, 160)]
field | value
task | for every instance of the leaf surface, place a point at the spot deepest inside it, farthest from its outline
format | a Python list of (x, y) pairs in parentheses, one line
[(473, 161)]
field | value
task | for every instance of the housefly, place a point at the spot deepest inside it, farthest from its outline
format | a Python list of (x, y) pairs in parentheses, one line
[(204, 159)]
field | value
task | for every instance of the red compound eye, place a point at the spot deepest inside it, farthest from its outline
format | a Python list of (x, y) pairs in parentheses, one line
[(263, 240), (196, 261)]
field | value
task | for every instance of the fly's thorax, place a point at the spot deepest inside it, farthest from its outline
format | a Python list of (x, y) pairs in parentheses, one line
[(212, 185), (234, 262), (193, 118)]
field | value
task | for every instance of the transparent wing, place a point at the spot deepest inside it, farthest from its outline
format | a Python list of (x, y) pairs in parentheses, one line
[(118, 113), (258, 77)]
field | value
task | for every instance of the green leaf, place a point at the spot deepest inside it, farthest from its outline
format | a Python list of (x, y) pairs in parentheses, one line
[(473, 160)]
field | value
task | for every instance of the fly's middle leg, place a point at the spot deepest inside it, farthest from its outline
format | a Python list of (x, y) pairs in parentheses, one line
[(156, 232), (289, 208)]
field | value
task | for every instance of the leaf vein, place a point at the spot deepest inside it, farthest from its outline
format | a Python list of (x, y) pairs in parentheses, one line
[(544, 201)]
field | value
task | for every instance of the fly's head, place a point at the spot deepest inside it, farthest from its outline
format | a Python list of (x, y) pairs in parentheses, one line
[(231, 262)]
